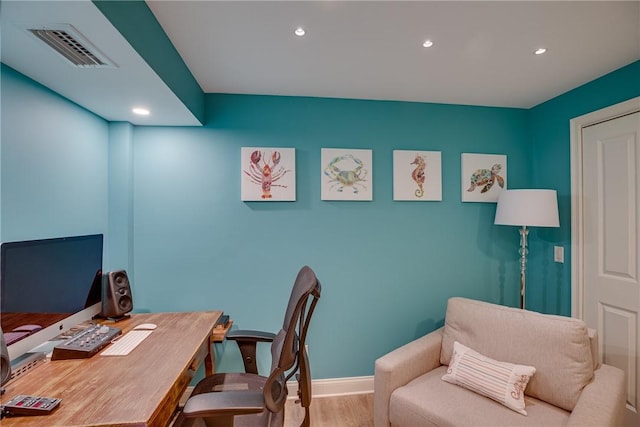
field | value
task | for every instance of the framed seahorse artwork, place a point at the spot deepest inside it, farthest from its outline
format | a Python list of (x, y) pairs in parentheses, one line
[(417, 175), (346, 174), (484, 176), (268, 174)]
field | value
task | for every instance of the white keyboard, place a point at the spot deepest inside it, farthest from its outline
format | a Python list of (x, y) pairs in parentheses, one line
[(126, 343)]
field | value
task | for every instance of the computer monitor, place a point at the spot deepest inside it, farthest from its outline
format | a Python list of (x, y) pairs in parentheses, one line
[(46, 287)]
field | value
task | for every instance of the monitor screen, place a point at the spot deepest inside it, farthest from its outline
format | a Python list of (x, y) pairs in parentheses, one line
[(45, 285)]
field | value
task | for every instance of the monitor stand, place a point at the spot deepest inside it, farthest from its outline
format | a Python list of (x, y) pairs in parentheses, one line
[(114, 319), (119, 318)]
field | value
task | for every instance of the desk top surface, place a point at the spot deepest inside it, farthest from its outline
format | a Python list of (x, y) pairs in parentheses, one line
[(140, 389)]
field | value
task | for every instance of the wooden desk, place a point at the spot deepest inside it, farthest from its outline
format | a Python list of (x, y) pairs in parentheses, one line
[(140, 389)]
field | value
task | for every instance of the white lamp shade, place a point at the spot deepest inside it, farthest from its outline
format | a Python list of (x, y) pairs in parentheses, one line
[(538, 208)]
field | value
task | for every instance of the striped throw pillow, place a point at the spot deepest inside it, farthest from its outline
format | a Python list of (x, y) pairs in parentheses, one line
[(501, 381)]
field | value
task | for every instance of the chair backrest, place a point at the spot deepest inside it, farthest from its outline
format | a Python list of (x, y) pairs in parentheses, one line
[(305, 283), (289, 344)]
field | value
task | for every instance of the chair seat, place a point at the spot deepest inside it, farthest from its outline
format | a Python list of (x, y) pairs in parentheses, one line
[(230, 381), (241, 402), (233, 382), (252, 420), (235, 402)]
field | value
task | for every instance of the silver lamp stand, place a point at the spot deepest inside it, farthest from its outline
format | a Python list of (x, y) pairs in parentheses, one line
[(523, 262)]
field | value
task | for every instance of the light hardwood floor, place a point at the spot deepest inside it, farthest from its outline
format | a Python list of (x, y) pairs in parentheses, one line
[(339, 411)]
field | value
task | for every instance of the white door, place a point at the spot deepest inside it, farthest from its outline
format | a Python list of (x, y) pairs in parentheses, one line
[(611, 215)]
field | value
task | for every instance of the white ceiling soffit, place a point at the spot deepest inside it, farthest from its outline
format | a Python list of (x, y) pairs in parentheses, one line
[(482, 52), (109, 92)]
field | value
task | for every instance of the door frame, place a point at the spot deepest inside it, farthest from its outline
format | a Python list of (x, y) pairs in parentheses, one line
[(577, 215)]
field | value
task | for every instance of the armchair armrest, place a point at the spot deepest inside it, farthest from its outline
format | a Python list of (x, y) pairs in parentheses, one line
[(402, 365), (602, 401), (247, 341), (224, 403)]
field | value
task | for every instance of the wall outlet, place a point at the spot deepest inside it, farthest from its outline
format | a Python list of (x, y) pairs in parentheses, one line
[(558, 254)]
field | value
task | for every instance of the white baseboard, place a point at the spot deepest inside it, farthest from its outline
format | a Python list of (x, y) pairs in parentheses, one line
[(335, 386)]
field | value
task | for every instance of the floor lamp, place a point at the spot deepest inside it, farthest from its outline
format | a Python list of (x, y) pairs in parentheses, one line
[(527, 208)]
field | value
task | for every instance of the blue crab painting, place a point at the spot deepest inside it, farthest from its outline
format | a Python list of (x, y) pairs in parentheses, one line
[(352, 178)]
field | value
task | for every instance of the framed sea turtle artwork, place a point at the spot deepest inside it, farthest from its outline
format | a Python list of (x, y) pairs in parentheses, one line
[(484, 176), (268, 174), (417, 175), (346, 174)]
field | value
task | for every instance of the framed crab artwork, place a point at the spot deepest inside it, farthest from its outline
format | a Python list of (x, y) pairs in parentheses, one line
[(346, 174), (484, 176), (268, 174), (417, 175)]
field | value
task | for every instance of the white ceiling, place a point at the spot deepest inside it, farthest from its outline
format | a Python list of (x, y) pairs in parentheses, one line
[(482, 53)]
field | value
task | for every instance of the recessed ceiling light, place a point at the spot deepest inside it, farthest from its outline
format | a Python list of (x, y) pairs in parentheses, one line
[(540, 51), (427, 43), (141, 111), (299, 32)]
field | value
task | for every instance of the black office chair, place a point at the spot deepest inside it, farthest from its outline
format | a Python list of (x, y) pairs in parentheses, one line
[(248, 399)]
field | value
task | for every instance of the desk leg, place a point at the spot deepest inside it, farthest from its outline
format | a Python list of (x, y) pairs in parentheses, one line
[(210, 360)]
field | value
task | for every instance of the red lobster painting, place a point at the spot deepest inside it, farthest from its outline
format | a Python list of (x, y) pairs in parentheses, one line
[(266, 174)]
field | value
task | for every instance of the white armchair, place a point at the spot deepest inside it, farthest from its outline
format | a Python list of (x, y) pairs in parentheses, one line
[(569, 387)]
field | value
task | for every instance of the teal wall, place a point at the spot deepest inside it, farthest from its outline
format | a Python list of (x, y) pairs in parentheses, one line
[(549, 130), (168, 200), (119, 246), (387, 267), (54, 171)]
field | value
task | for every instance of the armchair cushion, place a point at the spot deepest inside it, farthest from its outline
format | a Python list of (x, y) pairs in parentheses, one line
[(557, 346), (503, 382), (428, 401)]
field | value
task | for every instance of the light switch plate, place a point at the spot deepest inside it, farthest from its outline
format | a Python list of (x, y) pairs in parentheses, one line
[(558, 254)]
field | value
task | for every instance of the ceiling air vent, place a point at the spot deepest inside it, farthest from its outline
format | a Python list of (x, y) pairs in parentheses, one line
[(69, 43)]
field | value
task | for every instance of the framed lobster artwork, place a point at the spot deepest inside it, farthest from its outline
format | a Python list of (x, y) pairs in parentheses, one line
[(268, 174)]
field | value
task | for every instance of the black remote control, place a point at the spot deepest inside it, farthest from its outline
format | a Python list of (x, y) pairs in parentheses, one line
[(31, 405)]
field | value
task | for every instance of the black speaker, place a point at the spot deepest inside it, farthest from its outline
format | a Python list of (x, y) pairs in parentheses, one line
[(116, 294), (5, 362)]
